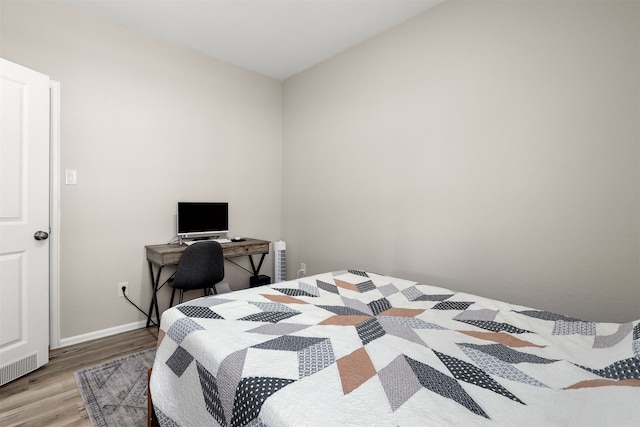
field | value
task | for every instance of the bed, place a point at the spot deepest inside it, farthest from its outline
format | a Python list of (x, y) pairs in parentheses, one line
[(355, 348)]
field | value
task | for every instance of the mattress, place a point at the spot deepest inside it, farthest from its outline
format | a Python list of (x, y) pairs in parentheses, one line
[(356, 348)]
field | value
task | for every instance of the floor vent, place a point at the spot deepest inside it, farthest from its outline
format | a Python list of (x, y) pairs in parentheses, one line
[(19, 368)]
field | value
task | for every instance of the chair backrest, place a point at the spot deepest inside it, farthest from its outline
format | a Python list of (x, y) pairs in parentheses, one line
[(201, 266)]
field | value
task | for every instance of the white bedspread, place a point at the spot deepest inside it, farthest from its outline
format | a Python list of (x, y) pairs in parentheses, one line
[(360, 349)]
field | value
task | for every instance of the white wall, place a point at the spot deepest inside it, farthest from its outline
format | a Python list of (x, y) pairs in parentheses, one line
[(489, 147), (145, 124)]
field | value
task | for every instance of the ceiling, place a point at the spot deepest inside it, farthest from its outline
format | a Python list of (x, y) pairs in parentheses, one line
[(278, 38)]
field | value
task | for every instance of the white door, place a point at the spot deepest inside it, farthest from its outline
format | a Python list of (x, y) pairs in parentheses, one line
[(24, 220)]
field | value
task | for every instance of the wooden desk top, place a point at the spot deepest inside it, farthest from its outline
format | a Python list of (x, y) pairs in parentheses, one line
[(170, 254)]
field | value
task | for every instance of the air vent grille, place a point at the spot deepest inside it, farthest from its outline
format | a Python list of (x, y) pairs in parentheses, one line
[(19, 368)]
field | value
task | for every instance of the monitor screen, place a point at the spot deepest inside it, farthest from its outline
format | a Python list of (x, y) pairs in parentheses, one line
[(202, 219)]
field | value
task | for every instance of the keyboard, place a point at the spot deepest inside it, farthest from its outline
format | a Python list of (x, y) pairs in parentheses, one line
[(222, 240)]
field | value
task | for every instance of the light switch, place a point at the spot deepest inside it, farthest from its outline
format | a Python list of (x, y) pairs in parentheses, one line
[(71, 176)]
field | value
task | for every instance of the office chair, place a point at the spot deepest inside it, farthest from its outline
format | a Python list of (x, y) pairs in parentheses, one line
[(200, 267)]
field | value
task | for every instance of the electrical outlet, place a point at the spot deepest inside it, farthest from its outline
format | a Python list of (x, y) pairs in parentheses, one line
[(126, 289), (303, 270)]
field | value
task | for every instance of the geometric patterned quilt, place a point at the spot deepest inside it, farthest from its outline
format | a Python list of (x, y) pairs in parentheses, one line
[(359, 349)]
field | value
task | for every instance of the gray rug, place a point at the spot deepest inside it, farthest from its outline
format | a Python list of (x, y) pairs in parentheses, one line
[(115, 392)]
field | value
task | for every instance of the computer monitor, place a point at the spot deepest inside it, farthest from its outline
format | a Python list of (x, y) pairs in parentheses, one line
[(202, 219)]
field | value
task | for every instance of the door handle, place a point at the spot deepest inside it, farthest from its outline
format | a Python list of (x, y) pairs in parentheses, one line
[(41, 235)]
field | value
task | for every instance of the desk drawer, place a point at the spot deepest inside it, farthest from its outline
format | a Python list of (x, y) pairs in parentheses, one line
[(231, 250)]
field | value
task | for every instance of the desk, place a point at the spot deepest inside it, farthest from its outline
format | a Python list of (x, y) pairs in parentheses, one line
[(163, 255)]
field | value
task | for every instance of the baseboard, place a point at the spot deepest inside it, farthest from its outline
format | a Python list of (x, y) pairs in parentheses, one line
[(64, 342)]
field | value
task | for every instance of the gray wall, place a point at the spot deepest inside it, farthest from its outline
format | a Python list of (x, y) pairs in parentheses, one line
[(488, 147), (145, 124), (491, 148)]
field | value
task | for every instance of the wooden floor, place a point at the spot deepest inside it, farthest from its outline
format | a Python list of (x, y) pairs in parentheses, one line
[(49, 396)]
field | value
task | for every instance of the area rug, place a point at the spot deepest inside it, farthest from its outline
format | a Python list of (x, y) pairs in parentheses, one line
[(115, 392)]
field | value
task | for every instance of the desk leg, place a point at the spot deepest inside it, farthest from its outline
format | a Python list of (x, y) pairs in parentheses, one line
[(154, 298), (256, 271)]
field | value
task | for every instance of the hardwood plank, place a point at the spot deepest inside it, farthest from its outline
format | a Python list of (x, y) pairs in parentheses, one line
[(49, 396)]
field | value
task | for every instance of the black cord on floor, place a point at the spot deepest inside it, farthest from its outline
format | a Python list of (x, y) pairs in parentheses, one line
[(139, 309)]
